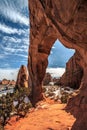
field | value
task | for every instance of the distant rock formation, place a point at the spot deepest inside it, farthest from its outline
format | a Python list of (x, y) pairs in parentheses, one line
[(73, 74), (7, 82), (22, 79), (67, 21), (12, 82), (47, 79)]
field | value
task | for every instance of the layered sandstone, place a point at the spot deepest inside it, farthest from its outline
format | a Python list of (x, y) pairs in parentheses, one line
[(22, 79), (73, 74), (67, 21)]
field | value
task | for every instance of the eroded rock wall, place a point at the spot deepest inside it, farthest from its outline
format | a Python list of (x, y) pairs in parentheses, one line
[(66, 21), (50, 20), (73, 74)]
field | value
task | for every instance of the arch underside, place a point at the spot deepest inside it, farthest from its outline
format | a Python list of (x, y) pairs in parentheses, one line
[(51, 20)]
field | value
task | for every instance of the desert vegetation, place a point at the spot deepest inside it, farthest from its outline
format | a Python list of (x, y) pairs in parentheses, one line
[(16, 103)]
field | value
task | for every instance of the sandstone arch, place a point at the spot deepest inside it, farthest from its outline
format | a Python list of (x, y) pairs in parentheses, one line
[(66, 21)]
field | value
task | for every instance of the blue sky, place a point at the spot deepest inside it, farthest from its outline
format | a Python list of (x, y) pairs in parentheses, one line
[(14, 33), (59, 55), (14, 38)]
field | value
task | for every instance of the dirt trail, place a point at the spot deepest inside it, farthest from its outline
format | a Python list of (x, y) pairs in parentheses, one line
[(45, 117)]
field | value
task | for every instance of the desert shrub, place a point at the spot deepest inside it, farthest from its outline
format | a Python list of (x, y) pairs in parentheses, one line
[(17, 103), (21, 96), (64, 98)]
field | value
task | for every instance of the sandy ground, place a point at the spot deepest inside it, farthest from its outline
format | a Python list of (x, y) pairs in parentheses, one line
[(47, 116)]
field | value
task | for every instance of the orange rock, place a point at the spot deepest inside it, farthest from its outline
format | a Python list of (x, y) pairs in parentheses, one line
[(51, 20), (5, 82), (73, 74), (22, 79)]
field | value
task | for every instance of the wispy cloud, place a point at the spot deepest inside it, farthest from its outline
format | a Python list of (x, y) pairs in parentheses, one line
[(9, 30), (12, 10), (24, 56), (14, 36), (14, 45), (11, 39)]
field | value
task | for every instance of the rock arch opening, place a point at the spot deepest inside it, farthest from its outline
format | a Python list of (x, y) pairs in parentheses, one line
[(66, 21), (59, 55), (62, 72), (47, 25), (62, 57)]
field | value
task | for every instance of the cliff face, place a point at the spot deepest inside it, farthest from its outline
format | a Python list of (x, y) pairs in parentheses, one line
[(51, 20), (73, 74)]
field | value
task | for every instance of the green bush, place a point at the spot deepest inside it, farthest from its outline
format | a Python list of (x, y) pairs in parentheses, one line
[(64, 98), (8, 108)]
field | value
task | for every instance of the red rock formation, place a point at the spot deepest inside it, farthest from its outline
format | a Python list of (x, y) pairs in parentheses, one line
[(5, 82), (47, 79), (22, 79), (73, 74), (12, 82), (50, 20), (66, 21)]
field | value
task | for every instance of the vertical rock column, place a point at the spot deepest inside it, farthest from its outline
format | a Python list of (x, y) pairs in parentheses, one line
[(22, 78), (42, 37)]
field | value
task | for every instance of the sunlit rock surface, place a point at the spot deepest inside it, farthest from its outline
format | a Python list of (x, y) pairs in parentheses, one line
[(73, 74), (22, 79), (66, 21)]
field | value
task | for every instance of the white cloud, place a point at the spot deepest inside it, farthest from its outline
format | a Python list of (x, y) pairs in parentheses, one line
[(9, 74), (16, 17), (51, 52), (26, 41), (13, 10), (6, 29), (25, 56), (11, 50), (53, 47), (13, 40), (56, 72), (12, 73)]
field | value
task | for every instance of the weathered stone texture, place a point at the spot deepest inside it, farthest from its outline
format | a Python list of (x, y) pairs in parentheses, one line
[(22, 79), (73, 74), (64, 20)]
